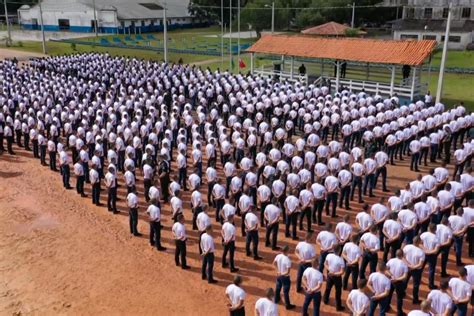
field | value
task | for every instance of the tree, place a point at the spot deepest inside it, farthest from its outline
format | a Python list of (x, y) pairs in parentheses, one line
[(210, 10)]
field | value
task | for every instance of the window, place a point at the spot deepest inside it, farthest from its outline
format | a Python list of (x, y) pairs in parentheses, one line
[(445, 13), (428, 14), (466, 13), (452, 39), (151, 6), (63, 24), (408, 36), (410, 13), (429, 37)]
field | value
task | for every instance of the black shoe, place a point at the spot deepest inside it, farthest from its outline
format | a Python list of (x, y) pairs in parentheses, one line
[(137, 234), (416, 302), (372, 195), (225, 265), (433, 287), (276, 248), (321, 223), (68, 188), (248, 254), (233, 270), (83, 195), (290, 306), (385, 190), (161, 248), (185, 267), (334, 216), (115, 212), (348, 208), (445, 275), (295, 238), (100, 204), (326, 302), (212, 281), (257, 258), (299, 290), (460, 264), (340, 308), (152, 244)]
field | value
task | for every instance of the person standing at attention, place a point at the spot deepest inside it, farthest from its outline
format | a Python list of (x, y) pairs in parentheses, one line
[(282, 264), (236, 296)]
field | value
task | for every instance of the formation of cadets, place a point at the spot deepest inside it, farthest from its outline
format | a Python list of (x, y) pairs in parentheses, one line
[(271, 154)]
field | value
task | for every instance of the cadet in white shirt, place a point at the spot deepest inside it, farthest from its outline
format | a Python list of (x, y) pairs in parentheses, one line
[(415, 259), (380, 285), (272, 218), (236, 296), (251, 228), (306, 253), (202, 222), (393, 236), (326, 240), (282, 265), (398, 272), (351, 254), (179, 235), (430, 245), (461, 292), (95, 182), (65, 169), (111, 184), (132, 203), (154, 214), (441, 302), (358, 301), (370, 245), (459, 228), (80, 178), (265, 305), (228, 241), (335, 269), (312, 283), (207, 246), (425, 309)]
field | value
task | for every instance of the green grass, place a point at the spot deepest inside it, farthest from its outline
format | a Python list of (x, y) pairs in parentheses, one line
[(461, 59)]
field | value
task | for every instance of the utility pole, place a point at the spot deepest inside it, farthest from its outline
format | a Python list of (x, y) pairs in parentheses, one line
[(230, 35), (353, 14), (9, 38), (439, 91), (222, 33), (42, 27), (273, 17), (95, 20), (165, 34)]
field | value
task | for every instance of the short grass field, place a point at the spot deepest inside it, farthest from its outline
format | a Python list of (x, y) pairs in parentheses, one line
[(457, 87)]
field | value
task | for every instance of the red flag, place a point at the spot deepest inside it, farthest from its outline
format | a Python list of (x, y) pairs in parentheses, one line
[(241, 64)]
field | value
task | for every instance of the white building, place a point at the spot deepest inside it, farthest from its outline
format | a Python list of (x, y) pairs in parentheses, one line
[(113, 16), (426, 19)]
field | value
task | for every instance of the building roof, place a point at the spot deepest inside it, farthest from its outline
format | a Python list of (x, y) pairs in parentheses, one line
[(126, 9), (407, 52), (329, 29), (433, 25)]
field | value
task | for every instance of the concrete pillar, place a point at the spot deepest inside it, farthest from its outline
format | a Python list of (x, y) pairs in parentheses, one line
[(392, 80), (338, 74), (413, 81), (292, 66), (251, 62)]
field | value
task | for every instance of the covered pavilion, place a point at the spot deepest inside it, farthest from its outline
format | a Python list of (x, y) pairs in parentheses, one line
[(388, 54)]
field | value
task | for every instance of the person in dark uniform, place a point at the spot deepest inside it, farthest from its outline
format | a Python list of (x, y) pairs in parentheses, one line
[(302, 70), (164, 173)]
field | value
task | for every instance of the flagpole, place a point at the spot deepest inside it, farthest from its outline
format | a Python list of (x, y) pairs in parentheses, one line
[(230, 35), (439, 91), (238, 31), (222, 33)]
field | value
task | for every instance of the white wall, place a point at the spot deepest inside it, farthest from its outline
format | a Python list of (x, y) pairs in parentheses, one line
[(466, 38)]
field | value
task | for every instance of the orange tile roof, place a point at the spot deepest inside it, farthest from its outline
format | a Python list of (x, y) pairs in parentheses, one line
[(328, 29), (405, 52)]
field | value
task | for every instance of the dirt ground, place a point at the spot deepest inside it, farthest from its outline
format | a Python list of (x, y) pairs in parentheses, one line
[(20, 55), (60, 254)]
